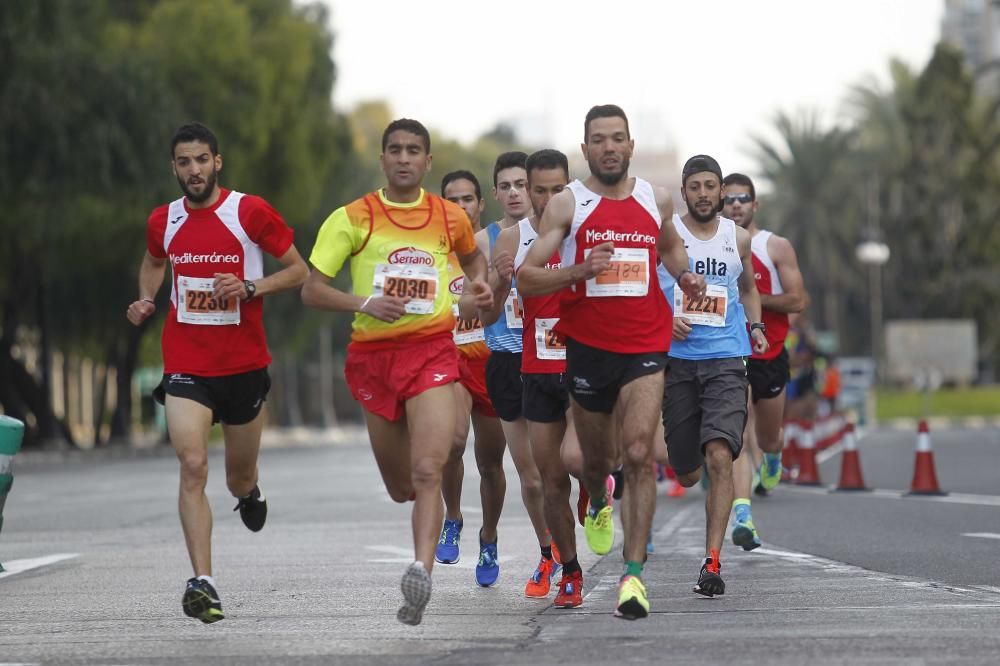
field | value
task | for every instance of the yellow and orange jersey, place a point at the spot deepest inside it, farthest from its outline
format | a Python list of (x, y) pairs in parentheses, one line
[(470, 337), (397, 250)]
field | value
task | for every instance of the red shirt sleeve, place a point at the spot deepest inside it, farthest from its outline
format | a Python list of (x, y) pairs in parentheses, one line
[(265, 226), (156, 227)]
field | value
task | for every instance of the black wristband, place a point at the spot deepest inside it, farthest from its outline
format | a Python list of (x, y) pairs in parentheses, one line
[(758, 325)]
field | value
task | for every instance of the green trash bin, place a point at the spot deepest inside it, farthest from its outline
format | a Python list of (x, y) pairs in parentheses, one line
[(11, 434)]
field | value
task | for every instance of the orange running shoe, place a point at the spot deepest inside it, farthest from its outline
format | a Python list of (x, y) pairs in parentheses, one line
[(570, 593), (540, 582), (675, 489)]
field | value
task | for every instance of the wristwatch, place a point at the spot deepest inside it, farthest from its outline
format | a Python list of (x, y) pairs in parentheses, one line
[(758, 325), (251, 289)]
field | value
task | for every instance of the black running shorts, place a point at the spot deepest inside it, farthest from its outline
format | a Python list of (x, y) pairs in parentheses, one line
[(233, 399), (768, 377), (596, 376), (703, 401), (503, 383), (546, 397)]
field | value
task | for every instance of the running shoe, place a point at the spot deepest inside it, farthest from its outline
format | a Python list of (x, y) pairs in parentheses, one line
[(760, 491), (599, 528), (555, 552), (581, 504), (540, 582), (675, 489), (770, 471), (416, 587), (632, 601), (710, 579), (253, 509), (570, 594), (650, 549), (487, 568), (745, 534), (202, 601), (616, 483), (447, 548)]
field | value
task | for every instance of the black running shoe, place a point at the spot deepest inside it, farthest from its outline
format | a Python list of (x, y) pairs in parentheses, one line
[(253, 510), (202, 601), (760, 491), (710, 580), (619, 483)]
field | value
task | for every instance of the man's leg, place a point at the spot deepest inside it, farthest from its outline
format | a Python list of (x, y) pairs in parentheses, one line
[(719, 460), (595, 431), (188, 423), (242, 451), (492, 482), (531, 480), (546, 442), (639, 402), (454, 469)]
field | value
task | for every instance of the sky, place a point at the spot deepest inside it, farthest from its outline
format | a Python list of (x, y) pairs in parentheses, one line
[(700, 76)]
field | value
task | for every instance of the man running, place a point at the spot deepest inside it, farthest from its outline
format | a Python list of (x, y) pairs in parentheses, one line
[(401, 362), (705, 403), (543, 367), (462, 188), (609, 232), (503, 320), (779, 282), (215, 354)]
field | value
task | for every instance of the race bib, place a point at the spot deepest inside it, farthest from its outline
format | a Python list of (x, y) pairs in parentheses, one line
[(419, 283), (467, 332), (709, 311), (196, 305), (628, 274), (549, 345), (513, 311)]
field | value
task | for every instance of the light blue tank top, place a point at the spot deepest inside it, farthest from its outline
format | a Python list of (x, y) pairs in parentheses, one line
[(712, 334), (499, 335)]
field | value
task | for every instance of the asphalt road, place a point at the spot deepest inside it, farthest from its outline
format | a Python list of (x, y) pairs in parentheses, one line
[(862, 578)]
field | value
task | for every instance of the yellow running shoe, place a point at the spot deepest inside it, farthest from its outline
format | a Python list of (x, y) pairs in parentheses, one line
[(599, 528), (632, 601)]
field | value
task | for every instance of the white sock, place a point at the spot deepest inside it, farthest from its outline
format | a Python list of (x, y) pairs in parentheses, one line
[(207, 579)]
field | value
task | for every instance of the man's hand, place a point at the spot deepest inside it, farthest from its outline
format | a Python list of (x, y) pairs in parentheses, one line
[(760, 343), (482, 295), (140, 311), (693, 285), (503, 263), (386, 308), (599, 260), (227, 285), (682, 328)]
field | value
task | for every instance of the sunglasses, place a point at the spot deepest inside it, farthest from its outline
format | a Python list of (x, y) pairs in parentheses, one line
[(742, 197)]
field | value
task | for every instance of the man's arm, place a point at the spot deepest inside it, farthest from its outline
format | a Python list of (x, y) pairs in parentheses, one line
[(317, 292), (475, 289), (749, 296), (670, 248), (533, 279), (502, 263), (294, 273), (795, 297), (151, 274)]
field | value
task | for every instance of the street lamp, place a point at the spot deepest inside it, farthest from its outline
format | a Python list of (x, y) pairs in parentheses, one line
[(874, 253)]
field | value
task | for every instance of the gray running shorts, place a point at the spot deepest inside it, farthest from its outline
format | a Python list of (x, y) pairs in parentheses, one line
[(702, 401)]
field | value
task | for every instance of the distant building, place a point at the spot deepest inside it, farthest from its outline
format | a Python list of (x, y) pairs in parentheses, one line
[(974, 27)]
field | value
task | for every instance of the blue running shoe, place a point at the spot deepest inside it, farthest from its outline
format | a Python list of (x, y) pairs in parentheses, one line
[(770, 471), (487, 569), (650, 549), (447, 548), (744, 533)]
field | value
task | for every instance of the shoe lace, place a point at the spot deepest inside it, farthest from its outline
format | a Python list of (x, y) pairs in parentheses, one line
[(711, 566), (486, 558), (449, 535)]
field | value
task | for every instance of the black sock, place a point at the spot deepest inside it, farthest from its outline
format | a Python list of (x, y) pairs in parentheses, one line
[(547, 552), (571, 566)]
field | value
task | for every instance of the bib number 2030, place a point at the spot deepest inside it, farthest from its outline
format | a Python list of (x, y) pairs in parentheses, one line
[(418, 283), (197, 305)]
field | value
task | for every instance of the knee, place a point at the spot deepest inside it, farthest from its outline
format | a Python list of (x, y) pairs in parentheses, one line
[(689, 479), (194, 468), (638, 454), (719, 458), (426, 473)]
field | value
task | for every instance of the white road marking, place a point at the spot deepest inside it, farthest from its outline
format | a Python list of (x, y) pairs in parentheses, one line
[(981, 535), (12, 567), (828, 453), (951, 498)]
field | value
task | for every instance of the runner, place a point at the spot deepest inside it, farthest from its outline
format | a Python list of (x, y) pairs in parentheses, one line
[(543, 367), (609, 232), (705, 403), (402, 361), (776, 272), (503, 382), (215, 353), (462, 188)]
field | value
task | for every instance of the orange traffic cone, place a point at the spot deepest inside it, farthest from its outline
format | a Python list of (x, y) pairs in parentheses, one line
[(924, 477), (808, 471), (850, 463)]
